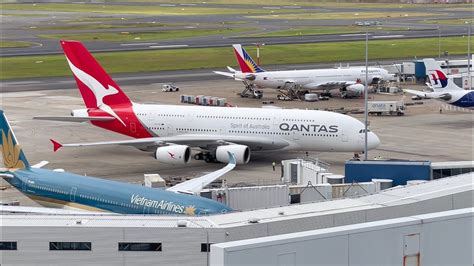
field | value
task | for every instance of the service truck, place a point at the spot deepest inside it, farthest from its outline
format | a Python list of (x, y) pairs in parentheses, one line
[(386, 108)]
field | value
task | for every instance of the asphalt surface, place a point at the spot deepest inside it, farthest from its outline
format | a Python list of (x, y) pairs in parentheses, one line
[(19, 27)]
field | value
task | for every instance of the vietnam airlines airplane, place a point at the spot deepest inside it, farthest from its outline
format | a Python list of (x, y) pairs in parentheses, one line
[(349, 80), (72, 192), (169, 131), (444, 89)]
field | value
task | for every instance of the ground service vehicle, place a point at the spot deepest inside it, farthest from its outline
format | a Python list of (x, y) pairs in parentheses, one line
[(386, 108)]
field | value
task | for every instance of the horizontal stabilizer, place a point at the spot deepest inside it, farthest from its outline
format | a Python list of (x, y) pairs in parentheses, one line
[(40, 164), (227, 74), (75, 118), (56, 145), (231, 69)]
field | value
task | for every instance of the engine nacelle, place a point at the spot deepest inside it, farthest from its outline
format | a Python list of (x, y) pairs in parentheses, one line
[(355, 89), (241, 152), (247, 76), (173, 154)]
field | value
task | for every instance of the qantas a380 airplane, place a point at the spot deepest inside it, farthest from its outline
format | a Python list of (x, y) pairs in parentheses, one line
[(349, 80), (169, 131)]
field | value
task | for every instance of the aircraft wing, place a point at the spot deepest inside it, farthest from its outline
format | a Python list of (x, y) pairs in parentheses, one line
[(418, 93), (42, 210), (74, 118), (195, 185), (202, 141), (329, 85)]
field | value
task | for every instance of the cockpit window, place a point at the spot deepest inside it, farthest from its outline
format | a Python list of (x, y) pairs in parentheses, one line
[(363, 130)]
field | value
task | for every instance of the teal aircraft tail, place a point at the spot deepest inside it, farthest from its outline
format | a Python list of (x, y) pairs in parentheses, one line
[(12, 155)]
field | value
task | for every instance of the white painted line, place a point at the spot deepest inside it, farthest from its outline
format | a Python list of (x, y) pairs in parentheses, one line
[(21, 82), (169, 46), (271, 7), (387, 36), (354, 34), (291, 7), (167, 5), (137, 44), (187, 4)]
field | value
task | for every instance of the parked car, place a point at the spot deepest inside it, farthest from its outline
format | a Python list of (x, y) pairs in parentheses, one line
[(169, 87)]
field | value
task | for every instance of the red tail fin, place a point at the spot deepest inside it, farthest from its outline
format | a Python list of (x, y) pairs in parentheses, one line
[(95, 85), (101, 94)]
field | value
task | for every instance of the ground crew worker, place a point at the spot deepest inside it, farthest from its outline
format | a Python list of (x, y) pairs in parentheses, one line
[(273, 165)]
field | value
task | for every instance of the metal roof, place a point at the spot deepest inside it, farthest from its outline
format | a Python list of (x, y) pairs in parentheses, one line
[(391, 197), (455, 164)]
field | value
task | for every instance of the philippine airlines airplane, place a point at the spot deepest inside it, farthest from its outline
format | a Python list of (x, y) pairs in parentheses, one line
[(349, 80), (444, 89), (72, 192), (170, 130)]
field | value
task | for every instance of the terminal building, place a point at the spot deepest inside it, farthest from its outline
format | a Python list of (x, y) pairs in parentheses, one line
[(395, 225)]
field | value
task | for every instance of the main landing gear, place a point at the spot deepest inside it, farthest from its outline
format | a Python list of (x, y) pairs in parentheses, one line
[(206, 156)]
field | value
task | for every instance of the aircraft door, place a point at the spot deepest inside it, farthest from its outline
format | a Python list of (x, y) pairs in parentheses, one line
[(169, 130), (296, 135), (24, 184), (344, 137), (72, 194), (133, 128)]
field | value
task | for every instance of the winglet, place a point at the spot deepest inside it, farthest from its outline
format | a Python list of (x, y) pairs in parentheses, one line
[(56, 145)]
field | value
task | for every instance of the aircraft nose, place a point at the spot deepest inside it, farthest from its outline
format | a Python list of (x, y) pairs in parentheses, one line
[(373, 141)]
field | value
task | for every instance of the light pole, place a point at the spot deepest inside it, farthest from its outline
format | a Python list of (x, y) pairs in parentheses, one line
[(469, 54), (439, 43), (258, 51), (366, 90)]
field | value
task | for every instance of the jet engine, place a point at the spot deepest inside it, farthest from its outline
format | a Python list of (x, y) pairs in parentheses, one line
[(241, 152), (173, 154), (356, 89), (353, 90), (245, 76)]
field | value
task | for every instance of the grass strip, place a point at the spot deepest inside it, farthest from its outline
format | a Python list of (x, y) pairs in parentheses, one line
[(201, 58)]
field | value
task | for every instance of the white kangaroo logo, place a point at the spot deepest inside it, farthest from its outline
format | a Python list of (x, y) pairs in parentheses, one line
[(98, 89)]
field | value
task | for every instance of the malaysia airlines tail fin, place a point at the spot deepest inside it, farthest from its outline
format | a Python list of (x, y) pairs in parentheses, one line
[(96, 86), (12, 154), (246, 63), (438, 79)]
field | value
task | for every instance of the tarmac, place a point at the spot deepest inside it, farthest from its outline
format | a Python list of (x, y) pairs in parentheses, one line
[(422, 134)]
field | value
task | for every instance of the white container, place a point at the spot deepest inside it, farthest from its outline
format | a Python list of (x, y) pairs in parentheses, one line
[(334, 179), (154, 181), (311, 97)]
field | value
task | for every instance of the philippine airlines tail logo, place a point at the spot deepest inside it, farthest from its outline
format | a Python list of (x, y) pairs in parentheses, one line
[(246, 63), (99, 91)]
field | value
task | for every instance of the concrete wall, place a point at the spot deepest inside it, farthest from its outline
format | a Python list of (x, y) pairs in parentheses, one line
[(444, 238)]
